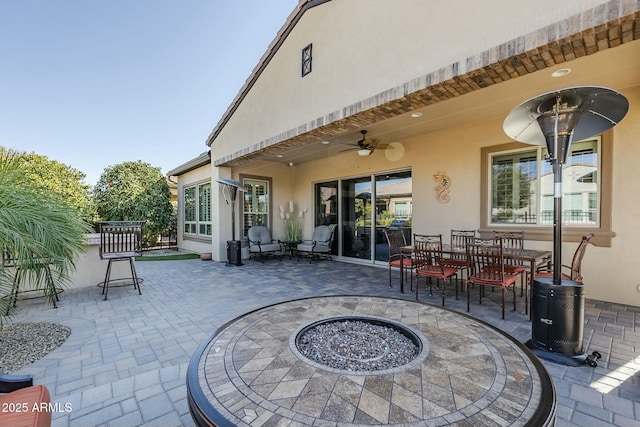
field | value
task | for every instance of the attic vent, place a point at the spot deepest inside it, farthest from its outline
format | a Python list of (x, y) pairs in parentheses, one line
[(306, 60)]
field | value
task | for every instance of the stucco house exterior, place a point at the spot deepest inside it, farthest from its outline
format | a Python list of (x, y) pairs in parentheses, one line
[(431, 81)]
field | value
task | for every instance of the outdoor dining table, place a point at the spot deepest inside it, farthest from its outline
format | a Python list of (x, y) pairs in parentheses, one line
[(532, 256)]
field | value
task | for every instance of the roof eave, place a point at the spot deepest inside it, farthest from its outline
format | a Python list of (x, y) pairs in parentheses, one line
[(202, 160)]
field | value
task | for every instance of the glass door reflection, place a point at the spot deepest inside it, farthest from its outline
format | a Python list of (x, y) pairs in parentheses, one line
[(326, 208), (393, 209), (356, 218)]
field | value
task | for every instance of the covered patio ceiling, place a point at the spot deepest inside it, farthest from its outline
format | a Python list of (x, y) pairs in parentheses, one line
[(484, 94)]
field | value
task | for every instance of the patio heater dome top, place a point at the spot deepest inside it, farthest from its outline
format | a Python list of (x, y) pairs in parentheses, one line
[(232, 186), (231, 182), (585, 110)]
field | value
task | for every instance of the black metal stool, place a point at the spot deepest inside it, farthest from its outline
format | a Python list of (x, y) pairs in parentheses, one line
[(120, 241), (49, 289)]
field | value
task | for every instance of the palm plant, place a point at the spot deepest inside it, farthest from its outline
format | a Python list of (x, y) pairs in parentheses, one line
[(37, 230)]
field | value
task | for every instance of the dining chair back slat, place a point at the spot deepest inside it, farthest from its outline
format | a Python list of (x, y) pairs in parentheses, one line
[(576, 263), (510, 239), (429, 262), (488, 269), (460, 238), (458, 258), (575, 269), (395, 241), (428, 251), (515, 240)]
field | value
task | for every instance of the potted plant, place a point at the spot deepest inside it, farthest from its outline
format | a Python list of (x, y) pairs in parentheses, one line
[(293, 223)]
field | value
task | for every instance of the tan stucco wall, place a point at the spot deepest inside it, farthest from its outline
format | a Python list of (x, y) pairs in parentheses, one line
[(610, 272), (389, 45)]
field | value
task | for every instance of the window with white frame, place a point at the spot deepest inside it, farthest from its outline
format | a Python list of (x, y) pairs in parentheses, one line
[(522, 186), (197, 210), (204, 209), (256, 207)]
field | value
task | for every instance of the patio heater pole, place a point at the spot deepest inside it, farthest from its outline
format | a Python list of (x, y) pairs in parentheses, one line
[(555, 119), (234, 256), (557, 216), (233, 191), (558, 133)]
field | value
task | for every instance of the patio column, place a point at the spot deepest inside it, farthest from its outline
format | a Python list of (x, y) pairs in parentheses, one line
[(221, 215)]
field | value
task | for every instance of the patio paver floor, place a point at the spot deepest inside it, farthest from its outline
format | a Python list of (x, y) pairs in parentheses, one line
[(125, 362)]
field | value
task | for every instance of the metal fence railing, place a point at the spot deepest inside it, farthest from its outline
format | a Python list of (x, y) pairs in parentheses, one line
[(574, 217)]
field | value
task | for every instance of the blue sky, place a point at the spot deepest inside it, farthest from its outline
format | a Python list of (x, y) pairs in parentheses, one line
[(95, 83)]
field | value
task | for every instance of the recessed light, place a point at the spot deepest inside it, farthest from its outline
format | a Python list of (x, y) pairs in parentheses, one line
[(326, 142), (561, 72), (279, 156), (416, 114)]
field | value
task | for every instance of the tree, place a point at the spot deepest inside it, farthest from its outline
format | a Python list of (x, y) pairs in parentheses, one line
[(135, 191), (51, 177), (37, 229)]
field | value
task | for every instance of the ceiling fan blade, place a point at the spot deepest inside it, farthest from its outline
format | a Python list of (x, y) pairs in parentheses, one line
[(385, 146), (349, 149)]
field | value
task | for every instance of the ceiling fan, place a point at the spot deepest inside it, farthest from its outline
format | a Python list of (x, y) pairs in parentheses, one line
[(365, 147)]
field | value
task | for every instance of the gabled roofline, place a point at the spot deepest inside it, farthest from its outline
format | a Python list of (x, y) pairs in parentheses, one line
[(202, 160), (275, 45)]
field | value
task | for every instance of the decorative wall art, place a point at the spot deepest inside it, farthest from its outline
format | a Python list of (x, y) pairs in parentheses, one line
[(442, 189)]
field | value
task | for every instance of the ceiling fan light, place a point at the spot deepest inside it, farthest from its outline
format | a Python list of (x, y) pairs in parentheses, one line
[(364, 152)]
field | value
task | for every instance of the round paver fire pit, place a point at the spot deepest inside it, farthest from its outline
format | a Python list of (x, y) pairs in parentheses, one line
[(355, 360)]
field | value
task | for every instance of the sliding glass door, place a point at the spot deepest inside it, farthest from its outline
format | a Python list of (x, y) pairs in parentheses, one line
[(356, 217), (363, 208), (393, 209)]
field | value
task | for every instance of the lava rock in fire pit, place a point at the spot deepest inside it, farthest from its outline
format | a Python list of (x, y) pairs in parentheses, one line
[(356, 345)]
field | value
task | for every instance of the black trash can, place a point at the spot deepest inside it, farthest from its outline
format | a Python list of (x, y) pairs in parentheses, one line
[(234, 252), (557, 321)]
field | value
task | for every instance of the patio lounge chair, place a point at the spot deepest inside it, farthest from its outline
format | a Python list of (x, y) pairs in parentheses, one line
[(320, 243), (261, 244)]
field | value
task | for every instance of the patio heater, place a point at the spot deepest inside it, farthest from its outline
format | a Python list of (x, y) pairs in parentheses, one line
[(555, 119), (234, 250)]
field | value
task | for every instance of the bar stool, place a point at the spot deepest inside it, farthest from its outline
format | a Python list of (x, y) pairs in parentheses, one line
[(120, 241)]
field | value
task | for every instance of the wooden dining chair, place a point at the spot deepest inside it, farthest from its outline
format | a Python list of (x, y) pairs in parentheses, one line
[(514, 240), (574, 271), (395, 241), (429, 262), (488, 269)]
